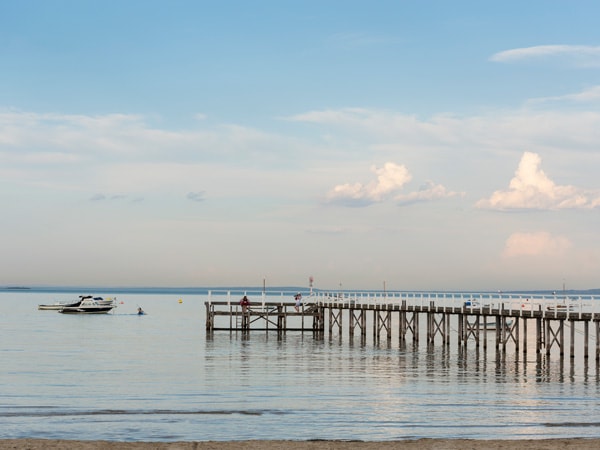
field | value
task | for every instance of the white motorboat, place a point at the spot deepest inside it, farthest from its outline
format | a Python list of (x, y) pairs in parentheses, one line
[(89, 305), (60, 305)]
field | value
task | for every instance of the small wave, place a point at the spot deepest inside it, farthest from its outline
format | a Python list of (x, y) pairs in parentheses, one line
[(573, 424), (124, 412)]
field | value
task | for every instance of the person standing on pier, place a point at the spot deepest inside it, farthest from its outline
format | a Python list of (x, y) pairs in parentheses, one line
[(298, 298), (244, 302)]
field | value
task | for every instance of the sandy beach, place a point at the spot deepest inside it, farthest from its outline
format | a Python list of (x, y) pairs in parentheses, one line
[(419, 444)]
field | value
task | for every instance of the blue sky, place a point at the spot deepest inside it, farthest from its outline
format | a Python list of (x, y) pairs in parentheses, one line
[(427, 145)]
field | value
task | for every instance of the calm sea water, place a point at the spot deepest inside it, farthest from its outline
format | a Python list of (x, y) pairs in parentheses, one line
[(159, 377)]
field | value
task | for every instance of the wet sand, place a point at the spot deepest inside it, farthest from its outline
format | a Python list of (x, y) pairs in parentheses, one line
[(419, 444)]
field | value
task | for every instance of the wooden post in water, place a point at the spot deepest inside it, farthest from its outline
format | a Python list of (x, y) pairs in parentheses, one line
[(572, 340), (357, 319), (460, 330), (597, 323), (384, 321), (538, 335), (555, 336), (335, 318), (516, 336), (402, 325), (504, 333), (415, 326), (485, 333), (319, 321), (562, 337), (498, 332), (524, 336), (586, 335), (208, 317), (551, 337), (363, 323)]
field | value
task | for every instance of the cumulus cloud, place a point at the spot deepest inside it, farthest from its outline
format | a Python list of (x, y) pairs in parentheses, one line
[(429, 191), (581, 55), (532, 189), (390, 178), (540, 243)]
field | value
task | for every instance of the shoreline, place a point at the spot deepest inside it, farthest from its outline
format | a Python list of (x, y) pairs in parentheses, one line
[(416, 444)]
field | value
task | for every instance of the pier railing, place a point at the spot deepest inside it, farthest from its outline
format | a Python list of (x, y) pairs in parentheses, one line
[(543, 304)]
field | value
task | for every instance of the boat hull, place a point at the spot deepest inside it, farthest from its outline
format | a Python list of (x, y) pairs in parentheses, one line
[(78, 310)]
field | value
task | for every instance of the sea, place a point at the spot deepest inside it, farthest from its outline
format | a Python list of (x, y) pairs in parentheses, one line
[(162, 377)]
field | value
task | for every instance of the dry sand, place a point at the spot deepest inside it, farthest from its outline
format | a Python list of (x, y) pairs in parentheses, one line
[(419, 444)]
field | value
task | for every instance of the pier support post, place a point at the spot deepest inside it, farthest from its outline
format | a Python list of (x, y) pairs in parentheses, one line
[(471, 329), (383, 321), (335, 318), (210, 317), (436, 326), (597, 323), (555, 336), (524, 336), (572, 339), (319, 321), (586, 336), (411, 323), (358, 319), (538, 335), (402, 325), (499, 335)]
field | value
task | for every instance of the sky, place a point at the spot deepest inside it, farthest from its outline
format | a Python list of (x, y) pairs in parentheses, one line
[(416, 145)]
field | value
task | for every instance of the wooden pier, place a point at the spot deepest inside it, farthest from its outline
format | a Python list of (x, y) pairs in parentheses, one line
[(465, 318), (266, 316)]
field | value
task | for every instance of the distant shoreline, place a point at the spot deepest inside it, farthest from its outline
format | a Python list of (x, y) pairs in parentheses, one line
[(254, 290), (417, 444)]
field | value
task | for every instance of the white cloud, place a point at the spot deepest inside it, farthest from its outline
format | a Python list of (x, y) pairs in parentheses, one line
[(495, 131), (390, 178), (532, 189), (30, 138), (591, 94), (581, 55), (540, 243), (428, 192)]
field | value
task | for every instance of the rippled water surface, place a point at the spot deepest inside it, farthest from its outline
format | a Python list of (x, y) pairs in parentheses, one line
[(160, 377)]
